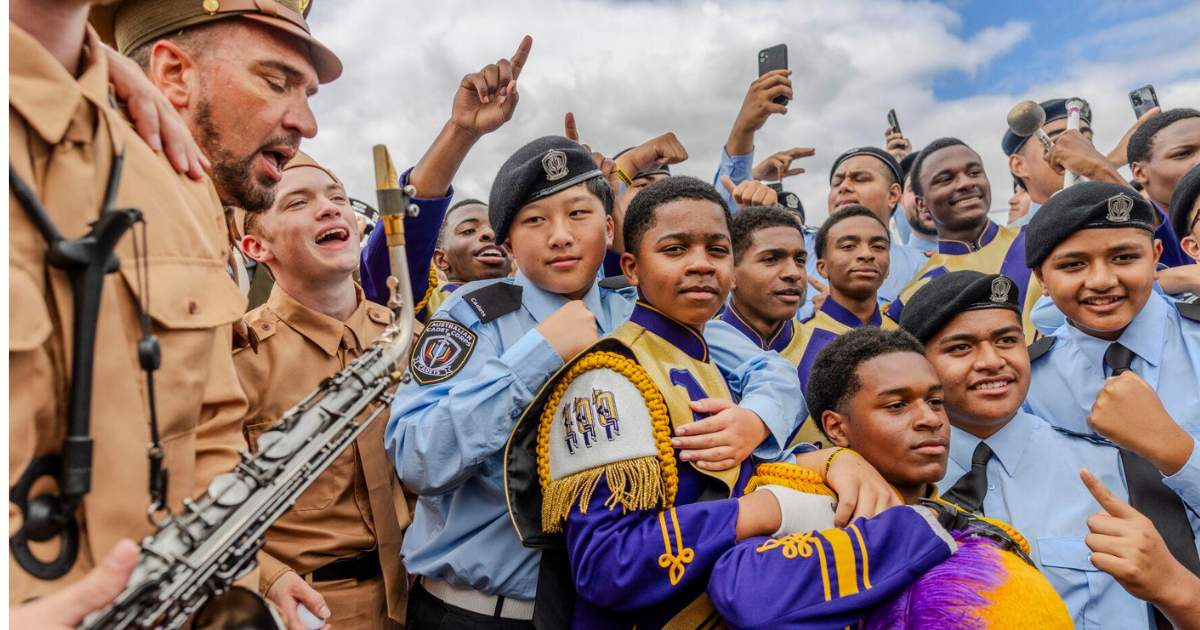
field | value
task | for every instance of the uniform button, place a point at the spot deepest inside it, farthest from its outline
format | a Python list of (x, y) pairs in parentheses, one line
[(516, 414), (193, 307), (991, 486), (266, 326)]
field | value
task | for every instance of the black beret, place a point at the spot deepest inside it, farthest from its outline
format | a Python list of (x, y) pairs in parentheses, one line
[(875, 152), (944, 297), (1183, 200), (1055, 109), (1084, 206), (539, 169), (665, 169)]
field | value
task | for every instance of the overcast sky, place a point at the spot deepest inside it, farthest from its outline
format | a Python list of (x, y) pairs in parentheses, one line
[(633, 70)]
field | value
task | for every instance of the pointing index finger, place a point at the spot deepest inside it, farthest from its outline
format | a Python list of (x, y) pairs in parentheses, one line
[(571, 129), (519, 57), (1107, 500)]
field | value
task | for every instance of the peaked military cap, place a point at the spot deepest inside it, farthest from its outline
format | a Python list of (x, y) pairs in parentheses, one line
[(539, 169), (1086, 205), (944, 297), (129, 24)]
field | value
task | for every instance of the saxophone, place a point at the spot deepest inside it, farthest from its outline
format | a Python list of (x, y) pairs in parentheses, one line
[(187, 567)]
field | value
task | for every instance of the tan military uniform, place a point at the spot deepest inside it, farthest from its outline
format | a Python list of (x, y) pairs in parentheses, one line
[(357, 505), (63, 135)]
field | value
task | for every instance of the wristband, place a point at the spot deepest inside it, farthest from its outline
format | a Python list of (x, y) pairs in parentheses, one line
[(834, 455), (624, 176), (801, 512)]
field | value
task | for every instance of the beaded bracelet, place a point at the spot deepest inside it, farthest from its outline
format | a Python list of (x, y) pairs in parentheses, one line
[(834, 455)]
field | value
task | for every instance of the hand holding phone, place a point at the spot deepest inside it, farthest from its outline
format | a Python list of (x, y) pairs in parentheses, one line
[(773, 58), (893, 122), (1143, 100)]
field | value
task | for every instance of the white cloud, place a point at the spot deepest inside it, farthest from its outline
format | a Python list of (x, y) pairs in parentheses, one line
[(630, 71)]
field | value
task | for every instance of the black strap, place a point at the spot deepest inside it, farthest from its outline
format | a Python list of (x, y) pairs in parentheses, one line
[(362, 567), (494, 300)]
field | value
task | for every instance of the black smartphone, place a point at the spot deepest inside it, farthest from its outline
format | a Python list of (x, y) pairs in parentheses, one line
[(893, 122), (773, 58), (1143, 100)]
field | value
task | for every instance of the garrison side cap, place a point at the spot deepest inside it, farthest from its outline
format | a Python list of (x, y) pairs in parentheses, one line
[(128, 24)]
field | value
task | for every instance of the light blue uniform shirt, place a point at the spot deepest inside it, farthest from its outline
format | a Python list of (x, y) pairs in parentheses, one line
[(447, 439), (1033, 484), (1166, 346), (1033, 208), (904, 264)]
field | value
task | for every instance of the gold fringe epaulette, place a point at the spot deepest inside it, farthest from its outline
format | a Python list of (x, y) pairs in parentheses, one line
[(429, 289), (789, 476), (644, 483)]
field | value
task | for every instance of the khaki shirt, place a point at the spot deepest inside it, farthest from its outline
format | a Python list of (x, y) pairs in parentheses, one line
[(63, 135), (358, 503)]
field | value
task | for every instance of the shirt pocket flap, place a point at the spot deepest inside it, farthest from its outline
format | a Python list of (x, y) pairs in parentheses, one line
[(188, 294), (28, 318), (1065, 553)]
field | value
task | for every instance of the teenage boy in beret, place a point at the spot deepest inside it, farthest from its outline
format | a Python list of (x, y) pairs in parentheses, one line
[(491, 347), (1126, 366), (876, 393), (601, 430), (1009, 464)]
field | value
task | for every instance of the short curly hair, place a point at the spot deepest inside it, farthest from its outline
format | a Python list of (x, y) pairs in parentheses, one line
[(639, 217), (848, 212), (834, 375), (930, 149), (750, 220), (1141, 143)]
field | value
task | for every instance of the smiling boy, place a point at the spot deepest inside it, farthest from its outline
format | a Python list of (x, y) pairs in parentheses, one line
[(489, 350), (602, 430)]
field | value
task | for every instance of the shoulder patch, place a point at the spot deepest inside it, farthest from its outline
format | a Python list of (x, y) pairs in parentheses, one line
[(615, 282), (605, 417), (1189, 310), (1090, 437), (441, 351), (494, 300), (1040, 347)]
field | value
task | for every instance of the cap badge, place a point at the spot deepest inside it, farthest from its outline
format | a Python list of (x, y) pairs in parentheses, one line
[(555, 165), (1001, 287), (1120, 208), (212, 6)]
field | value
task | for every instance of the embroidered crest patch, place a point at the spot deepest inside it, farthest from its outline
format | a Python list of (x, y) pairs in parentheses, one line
[(1001, 286), (601, 418), (555, 165), (441, 351)]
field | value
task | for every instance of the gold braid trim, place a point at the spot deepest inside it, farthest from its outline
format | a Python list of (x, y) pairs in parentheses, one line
[(1007, 528), (789, 476), (429, 289), (644, 483)]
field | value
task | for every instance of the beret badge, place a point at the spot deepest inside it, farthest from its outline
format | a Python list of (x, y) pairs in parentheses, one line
[(555, 165), (1120, 208), (1001, 287)]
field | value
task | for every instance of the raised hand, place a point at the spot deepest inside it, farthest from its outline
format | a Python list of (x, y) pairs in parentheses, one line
[(486, 99), (606, 165), (897, 145), (779, 165), (658, 151), (750, 193), (756, 108)]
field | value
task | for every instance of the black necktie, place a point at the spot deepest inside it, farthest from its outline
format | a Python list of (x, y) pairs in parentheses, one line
[(1150, 496), (968, 492)]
